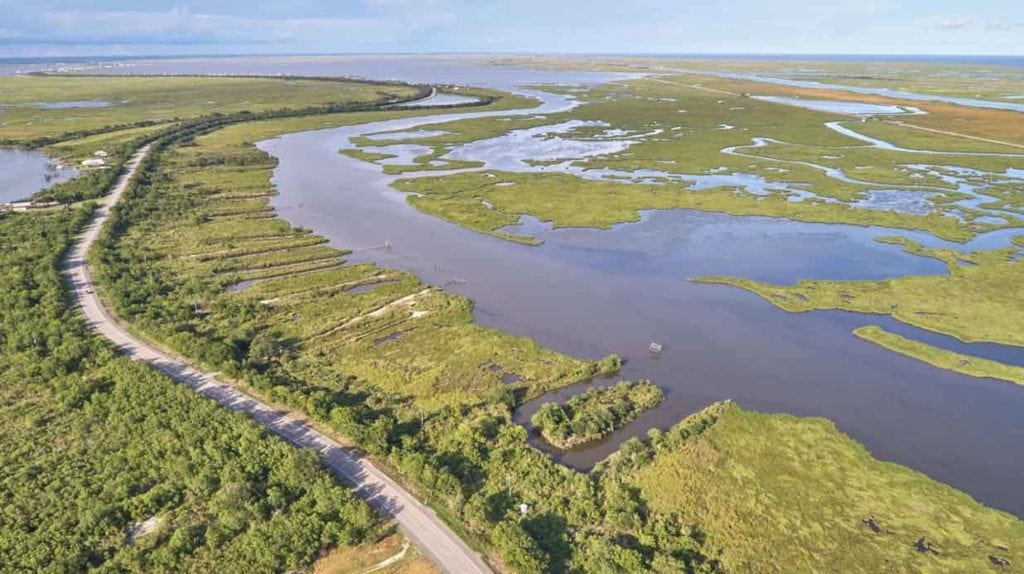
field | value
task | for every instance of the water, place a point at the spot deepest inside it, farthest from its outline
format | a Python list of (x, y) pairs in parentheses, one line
[(559, 148), (23, 173), (853, 108), (69, 105), (972, 60), (913, 199), (406, 135), (511, 151), (11, 66), (901, 201), (437, 100), (438, 69), (887, 92), (591, 292)]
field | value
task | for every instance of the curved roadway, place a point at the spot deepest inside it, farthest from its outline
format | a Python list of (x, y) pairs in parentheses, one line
[(419, 523)]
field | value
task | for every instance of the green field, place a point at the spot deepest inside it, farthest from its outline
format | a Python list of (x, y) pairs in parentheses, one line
[(160, 100), (399, 369), (777, 493), (941, 358)]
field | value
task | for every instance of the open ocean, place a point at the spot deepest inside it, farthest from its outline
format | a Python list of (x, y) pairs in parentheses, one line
[(9, 66)]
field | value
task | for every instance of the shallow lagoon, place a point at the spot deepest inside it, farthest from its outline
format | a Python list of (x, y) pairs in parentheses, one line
[(23, 173)]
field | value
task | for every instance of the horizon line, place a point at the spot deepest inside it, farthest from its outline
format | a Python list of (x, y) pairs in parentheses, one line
[(872, 55)]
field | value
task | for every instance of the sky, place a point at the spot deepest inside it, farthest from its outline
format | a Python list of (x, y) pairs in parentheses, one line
[(44, 28)]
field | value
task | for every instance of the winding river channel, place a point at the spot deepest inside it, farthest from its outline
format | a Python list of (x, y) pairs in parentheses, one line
[(590, 292)]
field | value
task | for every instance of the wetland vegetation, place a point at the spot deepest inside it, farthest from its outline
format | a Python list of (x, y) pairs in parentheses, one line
[(682, 133), (817, 499), (680, 141), (401, 370)]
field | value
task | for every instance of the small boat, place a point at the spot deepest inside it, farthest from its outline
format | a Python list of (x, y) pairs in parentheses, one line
[(655, 348)]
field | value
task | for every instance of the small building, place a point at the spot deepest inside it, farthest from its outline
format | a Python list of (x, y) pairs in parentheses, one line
[(94, 162), (101, 154)]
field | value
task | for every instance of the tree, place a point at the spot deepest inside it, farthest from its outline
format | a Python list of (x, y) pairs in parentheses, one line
[(264, 348), (518, 549)]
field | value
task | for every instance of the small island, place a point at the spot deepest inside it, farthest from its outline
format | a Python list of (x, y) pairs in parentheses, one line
[(595, 413)]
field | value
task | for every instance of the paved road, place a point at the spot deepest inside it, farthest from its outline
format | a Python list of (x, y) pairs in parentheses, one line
[(417, 522)]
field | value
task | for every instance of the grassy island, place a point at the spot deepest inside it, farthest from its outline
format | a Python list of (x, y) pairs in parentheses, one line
[(596, 413)]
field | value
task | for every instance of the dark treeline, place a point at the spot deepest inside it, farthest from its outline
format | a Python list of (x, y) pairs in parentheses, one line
[(420, 91), (94, 444), (43, 141), (94, 184), (595, 413), (472, 463)]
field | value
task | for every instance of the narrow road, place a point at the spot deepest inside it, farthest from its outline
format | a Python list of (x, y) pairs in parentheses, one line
[(419, 523), (956, 134)]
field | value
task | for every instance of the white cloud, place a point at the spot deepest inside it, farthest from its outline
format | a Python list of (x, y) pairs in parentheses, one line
[(180, 25), (266, 26)]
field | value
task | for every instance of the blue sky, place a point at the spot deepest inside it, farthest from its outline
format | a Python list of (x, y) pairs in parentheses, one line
[(141, 27)]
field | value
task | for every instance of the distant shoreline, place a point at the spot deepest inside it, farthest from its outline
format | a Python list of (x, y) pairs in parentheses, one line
[(990, 59)]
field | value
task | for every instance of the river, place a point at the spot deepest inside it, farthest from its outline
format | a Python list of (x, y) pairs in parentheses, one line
[(590, 292)]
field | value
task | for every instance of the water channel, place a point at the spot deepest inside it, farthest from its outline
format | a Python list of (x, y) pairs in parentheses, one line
[(590, 292)]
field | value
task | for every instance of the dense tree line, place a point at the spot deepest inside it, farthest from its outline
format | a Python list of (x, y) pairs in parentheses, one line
[(92, 444), (43, 141), (596, 413)]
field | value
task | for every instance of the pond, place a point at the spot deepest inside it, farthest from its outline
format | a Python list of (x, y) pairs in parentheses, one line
[(24, 172), (83, 104)]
